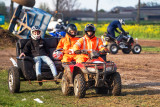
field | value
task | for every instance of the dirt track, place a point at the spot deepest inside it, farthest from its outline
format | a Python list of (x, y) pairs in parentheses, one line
[(141, 70)]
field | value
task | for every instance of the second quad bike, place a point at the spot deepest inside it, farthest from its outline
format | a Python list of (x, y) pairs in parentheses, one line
[(124, 42), (78, 77)]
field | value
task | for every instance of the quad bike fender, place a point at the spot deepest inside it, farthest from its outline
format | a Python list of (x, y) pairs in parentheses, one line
[(68, 73), (13, 62)]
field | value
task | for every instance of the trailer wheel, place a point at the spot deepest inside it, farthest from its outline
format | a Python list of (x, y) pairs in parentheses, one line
[(27, 3), (13, 80)]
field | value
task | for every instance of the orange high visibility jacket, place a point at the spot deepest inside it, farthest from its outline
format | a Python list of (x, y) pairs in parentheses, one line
[(88, 44), (67, 42)]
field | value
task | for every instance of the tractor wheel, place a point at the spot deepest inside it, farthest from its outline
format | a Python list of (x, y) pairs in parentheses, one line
[(115, 88), (126, 51), (101, 90), (28, 3), (13, 80), (136, 49), (113, 48), (66, 90), (79, 86)]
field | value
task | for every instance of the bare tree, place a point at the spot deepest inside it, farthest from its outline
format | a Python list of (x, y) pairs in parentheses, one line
[(44, 7), (96, 15), (66, 5), (11, 9), (138, 12)]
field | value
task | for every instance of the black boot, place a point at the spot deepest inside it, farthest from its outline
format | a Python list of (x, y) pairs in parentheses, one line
[(39, 78)]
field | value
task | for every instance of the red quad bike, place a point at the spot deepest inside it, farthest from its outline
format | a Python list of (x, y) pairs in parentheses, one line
[(124, 42), (93, 73)]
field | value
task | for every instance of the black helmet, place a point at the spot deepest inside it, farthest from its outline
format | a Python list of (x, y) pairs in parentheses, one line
[(90, 27), (71, 27)]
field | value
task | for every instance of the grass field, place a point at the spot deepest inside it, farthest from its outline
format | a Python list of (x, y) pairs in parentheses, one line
[(51, 95)]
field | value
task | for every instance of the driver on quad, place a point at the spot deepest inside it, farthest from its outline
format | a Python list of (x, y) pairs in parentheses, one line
[(113, 27), (36, 48), (66, 43), (88, 43)]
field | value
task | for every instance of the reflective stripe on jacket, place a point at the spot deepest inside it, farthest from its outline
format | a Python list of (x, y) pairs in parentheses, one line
[(88, 44)]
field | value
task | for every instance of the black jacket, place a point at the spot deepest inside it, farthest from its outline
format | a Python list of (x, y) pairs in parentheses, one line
[(114, 25), (35, 48)]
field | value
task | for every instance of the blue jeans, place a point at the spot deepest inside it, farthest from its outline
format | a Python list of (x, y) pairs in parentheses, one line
[(38, 60)]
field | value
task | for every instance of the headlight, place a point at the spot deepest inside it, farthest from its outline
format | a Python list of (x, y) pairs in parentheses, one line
[(109, 69), (90, 69)]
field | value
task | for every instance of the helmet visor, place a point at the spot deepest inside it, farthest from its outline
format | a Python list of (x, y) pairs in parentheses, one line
[(36, 32)]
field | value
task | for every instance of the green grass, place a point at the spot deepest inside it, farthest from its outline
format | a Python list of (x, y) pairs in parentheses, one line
[(51, 95), (150, 49)]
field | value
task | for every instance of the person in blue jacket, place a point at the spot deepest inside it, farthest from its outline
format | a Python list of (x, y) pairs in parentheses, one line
[(113, 27)]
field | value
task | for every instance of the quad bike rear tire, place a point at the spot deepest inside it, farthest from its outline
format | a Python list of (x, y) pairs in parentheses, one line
[(126, 51), (136, 49), (13, 80), (27, 3), (115, 88), (66, 90), (79, 86), (113, 48)]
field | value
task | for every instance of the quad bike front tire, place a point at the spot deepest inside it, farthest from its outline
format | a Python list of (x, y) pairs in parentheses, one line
[(13, 80), (27, 3), (115, 86), (113, 48), (136, 49), (126, 51), (66, 90), (79, 86)]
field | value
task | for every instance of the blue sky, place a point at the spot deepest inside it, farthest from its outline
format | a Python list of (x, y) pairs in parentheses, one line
[(91, 4)]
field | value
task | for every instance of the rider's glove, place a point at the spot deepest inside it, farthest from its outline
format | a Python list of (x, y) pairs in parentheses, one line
[(84, 52), (77, 52)]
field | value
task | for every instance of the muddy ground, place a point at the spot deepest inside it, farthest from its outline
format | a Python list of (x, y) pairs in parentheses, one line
[(141, 70)]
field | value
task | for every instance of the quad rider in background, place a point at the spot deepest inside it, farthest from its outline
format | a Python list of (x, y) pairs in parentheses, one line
[(113, 27)]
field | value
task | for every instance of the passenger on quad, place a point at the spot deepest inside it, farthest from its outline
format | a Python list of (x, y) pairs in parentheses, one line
[(66, 43), (37, 49), (113, 27), (88, 43)]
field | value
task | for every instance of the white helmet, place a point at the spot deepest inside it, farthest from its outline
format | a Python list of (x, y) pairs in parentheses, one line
[(122, 22), (57, 55), (59, 20), (37, 35)]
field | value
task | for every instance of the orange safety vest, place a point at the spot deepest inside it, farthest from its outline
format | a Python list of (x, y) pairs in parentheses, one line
[(67, 42), (85, 43)]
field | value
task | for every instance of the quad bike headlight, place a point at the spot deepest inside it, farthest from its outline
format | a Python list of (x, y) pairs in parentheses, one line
[(91, 69), (108, 68)]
